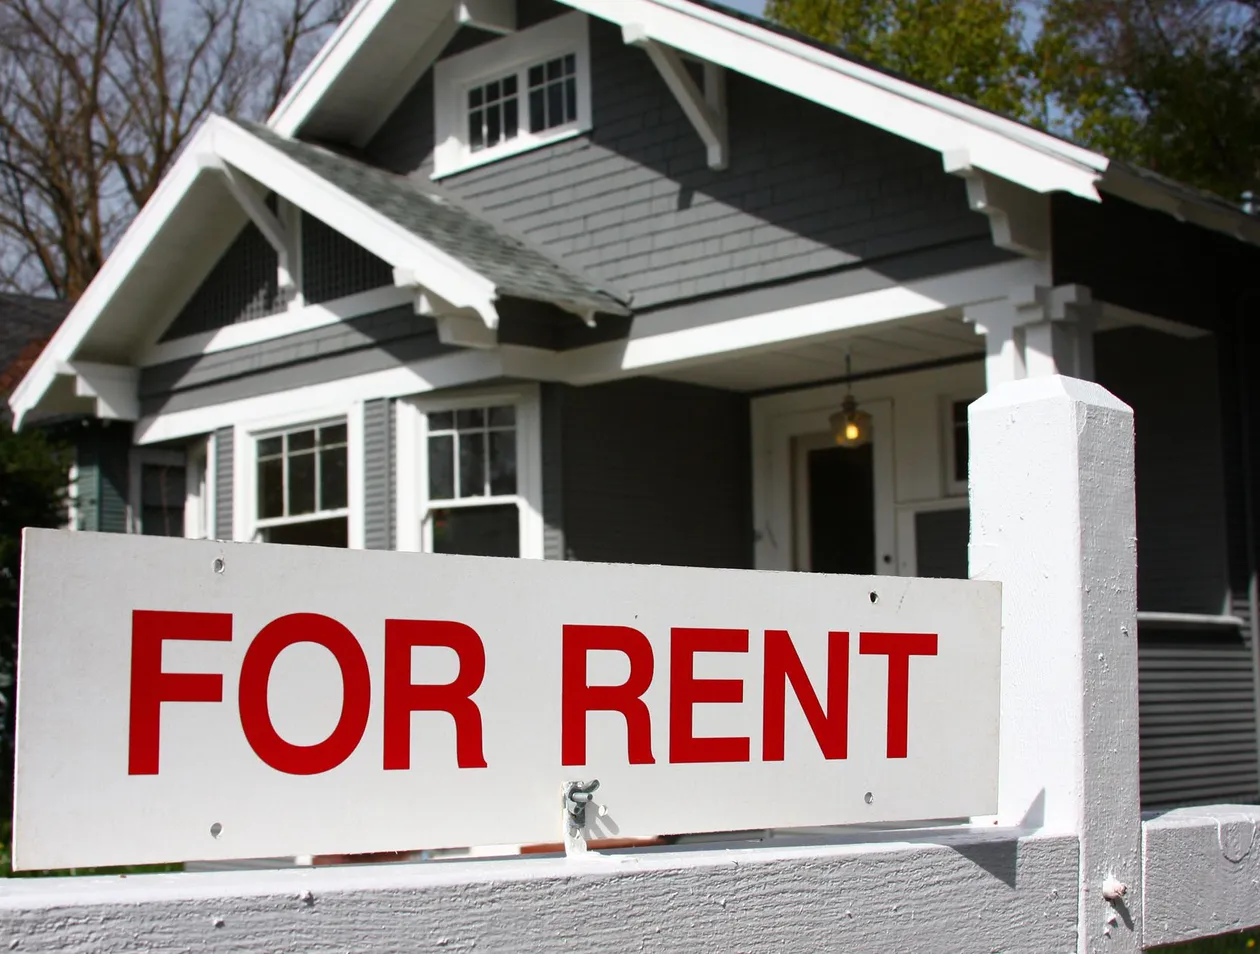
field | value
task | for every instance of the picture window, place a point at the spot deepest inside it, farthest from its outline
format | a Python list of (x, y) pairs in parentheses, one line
[(302, 487), (473, 481)]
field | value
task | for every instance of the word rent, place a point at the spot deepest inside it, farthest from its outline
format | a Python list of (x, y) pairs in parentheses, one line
[(825, 707)]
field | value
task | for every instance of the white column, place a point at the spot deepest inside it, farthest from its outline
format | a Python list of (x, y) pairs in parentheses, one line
[(1052, 518)]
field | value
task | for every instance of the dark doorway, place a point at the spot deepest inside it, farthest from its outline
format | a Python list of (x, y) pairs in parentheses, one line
[(841, 509)]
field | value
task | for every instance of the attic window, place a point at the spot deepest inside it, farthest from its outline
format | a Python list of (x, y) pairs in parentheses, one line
[(511, 95)]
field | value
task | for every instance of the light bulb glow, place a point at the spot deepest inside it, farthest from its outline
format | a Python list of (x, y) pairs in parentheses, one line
[(851, 431)]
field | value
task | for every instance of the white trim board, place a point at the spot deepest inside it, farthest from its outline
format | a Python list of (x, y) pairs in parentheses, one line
[(277, 326)]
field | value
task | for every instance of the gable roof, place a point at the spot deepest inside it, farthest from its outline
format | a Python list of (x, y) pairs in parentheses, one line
[(328, 99), (433, 243), (425, 210)]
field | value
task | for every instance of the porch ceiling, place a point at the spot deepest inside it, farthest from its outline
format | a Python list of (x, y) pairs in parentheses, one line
[(907, 342)]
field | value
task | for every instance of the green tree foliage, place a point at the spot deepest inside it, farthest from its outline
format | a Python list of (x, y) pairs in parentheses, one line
[(1173, 85), (968, 48), (32, 494)]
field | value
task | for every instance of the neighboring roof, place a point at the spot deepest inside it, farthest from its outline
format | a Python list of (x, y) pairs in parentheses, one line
[(26, 324), (515, 267), (329, 98)]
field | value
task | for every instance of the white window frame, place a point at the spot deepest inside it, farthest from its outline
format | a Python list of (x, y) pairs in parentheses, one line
[(951, 487), (413, 506), (245, 522), (456, 75)]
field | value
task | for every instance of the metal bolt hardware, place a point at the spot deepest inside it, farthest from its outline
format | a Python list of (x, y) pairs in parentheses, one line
[(577, 795)]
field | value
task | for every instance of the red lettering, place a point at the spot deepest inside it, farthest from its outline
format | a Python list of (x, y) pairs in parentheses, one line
[(403, 697), (150, 686), (783, 665), (577, 698), (898, 647), (272, 640), (685, 691)]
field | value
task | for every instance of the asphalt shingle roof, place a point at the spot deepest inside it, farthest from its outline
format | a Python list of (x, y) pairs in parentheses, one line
[(26, 323), (515, 267)]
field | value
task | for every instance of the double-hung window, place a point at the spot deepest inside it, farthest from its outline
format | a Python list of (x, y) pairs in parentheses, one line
[(302, 485), (473, 503), (469, 478), (512, 94)]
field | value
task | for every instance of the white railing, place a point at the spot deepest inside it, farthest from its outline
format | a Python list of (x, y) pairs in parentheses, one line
[(1068, 863)]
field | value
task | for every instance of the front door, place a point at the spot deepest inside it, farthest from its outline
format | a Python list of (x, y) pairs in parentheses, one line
[(835, 513)]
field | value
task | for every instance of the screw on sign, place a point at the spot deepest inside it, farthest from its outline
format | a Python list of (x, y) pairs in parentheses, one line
[(151, 687)]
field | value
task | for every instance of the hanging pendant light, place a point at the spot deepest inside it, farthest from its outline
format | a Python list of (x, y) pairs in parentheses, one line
[(850, 427)]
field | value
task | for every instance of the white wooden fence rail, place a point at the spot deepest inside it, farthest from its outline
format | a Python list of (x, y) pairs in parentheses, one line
[(1068, 864)]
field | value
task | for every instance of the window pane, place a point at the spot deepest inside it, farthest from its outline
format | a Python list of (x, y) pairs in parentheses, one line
[(570, 100), (503, 462), (509, 86), (442, 421), (492, 91), (442, 467), (162, 492), (474, 98), (476, 139), (535, 76), (570, 64), (301, 484), (333, 434), (537, 111), (301, 440), (555, 104), (553, 68), (503, 416), (477, 531), (472, 464), (332, 478), (271, 488), (313, 533), (473, 417), (271, 447), (511, 121), (493, 131)]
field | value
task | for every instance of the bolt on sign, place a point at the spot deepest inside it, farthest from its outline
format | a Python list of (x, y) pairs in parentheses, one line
[(184, 700)]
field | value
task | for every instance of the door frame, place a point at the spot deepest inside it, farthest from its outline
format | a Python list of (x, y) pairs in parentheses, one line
[(774, 509)]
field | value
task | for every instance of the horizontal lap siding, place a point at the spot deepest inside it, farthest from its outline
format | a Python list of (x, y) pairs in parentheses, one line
[(375, 342), (634, 203), (651, 472), (224, 472), (1197, 718)]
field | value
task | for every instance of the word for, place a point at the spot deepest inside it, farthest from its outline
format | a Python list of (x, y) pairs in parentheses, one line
[(151, 687)]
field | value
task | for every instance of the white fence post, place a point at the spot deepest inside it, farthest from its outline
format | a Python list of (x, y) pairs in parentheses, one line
[(1052, 518)]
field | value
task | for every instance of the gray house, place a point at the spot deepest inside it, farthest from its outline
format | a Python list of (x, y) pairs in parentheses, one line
[(652, 281)]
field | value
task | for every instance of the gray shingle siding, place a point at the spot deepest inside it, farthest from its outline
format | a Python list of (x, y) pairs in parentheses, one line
[(378, 474), (671, 485), (376, 342), (634, 203), (224, 466), (1180, 479), (102, 454)]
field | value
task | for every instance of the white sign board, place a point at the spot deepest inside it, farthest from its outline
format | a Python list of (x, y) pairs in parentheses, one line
[(185, 700)]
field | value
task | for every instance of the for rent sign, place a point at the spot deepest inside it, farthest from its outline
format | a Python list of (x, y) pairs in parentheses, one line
[(189, 699)]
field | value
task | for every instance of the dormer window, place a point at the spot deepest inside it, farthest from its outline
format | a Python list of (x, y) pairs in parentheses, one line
[(510, 95)]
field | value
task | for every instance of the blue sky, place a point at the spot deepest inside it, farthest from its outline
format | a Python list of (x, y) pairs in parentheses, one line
[(749, 6)]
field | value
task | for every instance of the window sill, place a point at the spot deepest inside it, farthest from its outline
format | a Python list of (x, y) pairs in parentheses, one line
[(490, 156)]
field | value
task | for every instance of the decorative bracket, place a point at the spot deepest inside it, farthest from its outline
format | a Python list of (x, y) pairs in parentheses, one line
[(471, 324), (706, 110), (114, 387), (1019, 218), (278, 235), (493, 16)]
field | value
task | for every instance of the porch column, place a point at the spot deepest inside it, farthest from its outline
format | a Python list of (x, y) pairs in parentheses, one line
[(1037, 331)]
